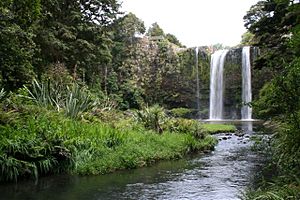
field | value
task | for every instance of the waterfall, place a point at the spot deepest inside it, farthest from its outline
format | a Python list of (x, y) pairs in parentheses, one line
[(197, 79), (216, 85), (246, 111)]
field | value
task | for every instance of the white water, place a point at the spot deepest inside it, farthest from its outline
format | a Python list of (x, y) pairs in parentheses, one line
[(246, 110), (216, 85), (197, 79)]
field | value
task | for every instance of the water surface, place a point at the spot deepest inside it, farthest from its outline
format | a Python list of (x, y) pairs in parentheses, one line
[(221, 174)]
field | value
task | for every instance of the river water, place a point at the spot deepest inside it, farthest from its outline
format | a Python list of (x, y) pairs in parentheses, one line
[(223, 174)]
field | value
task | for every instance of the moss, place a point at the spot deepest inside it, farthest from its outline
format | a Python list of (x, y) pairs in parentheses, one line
[(218, 128)]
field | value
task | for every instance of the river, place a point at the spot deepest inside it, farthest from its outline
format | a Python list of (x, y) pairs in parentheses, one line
[(222, 174)]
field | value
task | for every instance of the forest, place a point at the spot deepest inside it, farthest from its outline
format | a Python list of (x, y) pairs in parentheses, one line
[(86, 89)]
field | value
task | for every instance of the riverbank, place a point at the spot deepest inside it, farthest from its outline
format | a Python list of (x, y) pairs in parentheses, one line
[(280, 177), (38, 142), (221, 174)]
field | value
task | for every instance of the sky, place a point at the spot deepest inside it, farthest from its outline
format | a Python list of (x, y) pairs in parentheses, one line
[(194, 22)]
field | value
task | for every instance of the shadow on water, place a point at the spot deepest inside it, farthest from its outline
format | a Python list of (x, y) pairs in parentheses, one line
[(221, 174)]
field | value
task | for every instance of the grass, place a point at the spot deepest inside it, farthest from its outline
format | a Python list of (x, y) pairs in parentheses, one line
[(276, 191), (218, 128), (283, 153), (36, 142)]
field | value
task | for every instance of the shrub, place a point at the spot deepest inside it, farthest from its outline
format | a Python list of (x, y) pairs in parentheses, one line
[(45, 94), (181, 112), (74, 99), (77, 101), (152, 117), (31, 149), (186, 126)]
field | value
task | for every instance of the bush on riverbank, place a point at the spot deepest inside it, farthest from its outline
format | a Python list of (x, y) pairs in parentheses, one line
[(39, 142), (283, 175)]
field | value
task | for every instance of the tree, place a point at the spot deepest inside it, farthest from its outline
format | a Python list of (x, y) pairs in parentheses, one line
[(128, 27), (16, 41), (155, 30), (247, 38), (272, 22), (76, 36), (173, 39), (276, 29)]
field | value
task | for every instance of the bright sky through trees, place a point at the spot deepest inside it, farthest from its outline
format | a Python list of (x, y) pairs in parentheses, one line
[(195, 22)]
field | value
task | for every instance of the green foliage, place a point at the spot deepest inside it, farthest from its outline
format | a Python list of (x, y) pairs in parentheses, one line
[(181, 112), (73, 100), (186, 126), (152, 117), (37, 142), (276, 191), (218, 128), (155, 30), (173, 39), (16, 41), (268, 21), (42, 94), (280, 98), (30, 147), (131, 96), (247, 39), (127, 27), (275, 25), (287, 159), (16, 52), (77, 101), (81, 43)]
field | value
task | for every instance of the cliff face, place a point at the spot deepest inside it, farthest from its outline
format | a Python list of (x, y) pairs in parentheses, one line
[(167, 74)]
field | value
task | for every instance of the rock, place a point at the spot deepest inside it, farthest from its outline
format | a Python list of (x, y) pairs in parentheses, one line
[(206, 151), (239, 134), (224, 138)]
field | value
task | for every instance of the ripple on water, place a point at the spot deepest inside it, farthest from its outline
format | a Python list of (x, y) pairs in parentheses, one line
[(220, 175)]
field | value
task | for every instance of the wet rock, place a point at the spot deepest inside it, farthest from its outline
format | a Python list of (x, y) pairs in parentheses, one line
[(239, 134), (206, 151), (224, 138), (228, 134)]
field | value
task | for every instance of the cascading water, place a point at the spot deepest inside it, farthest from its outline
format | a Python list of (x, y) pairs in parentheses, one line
[(246, 111), (216, 85), (197, 79)]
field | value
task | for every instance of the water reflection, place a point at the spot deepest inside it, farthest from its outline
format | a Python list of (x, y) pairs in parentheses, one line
[(221, 174)]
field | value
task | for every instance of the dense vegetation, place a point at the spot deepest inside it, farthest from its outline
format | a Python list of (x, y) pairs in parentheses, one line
[(79, 90), (274, 27), (41, 135), (91, 42), (75, 84)]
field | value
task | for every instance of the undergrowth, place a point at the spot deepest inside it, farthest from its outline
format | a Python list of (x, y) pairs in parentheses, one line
[(36, 142)]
